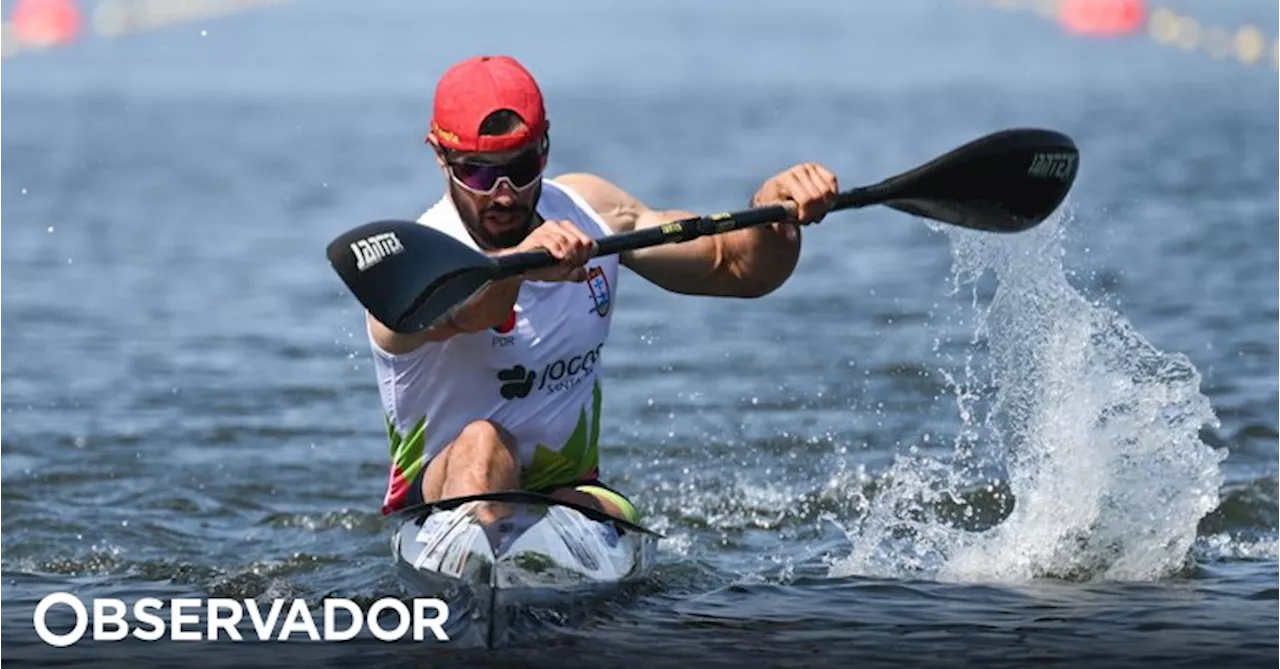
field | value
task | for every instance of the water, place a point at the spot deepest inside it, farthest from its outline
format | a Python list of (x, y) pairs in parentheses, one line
[(930, 445)]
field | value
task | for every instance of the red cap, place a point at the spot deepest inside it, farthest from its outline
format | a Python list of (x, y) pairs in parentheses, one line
[(471, 90)]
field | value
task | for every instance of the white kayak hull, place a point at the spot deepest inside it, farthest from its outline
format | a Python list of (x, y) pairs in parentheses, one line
[(492, 556)]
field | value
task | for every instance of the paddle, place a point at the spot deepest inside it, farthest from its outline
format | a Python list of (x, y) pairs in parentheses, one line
[(410, 276)]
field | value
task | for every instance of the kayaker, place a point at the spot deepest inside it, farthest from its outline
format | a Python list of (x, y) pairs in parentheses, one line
[(506, 394)]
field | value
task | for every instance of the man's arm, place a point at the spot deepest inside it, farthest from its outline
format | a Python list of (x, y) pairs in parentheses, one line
[(492, 306), (745, 263), (488, 309)]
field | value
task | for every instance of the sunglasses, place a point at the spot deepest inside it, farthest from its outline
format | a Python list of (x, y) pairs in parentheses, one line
[(483, 178)]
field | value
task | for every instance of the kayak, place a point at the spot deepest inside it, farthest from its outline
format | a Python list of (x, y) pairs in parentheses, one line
[(494, 555)]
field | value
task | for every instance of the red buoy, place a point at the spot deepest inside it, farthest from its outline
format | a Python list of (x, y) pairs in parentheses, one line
[(1107, 18), (41, 23)]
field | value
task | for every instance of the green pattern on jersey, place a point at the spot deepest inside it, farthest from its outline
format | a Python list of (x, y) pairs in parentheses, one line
[(406, 451), (579, 456)]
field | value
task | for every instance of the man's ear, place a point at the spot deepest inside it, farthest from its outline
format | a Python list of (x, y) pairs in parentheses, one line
[(435, 147)]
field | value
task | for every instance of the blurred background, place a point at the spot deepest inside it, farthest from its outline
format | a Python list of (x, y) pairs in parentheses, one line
[(929, 443)]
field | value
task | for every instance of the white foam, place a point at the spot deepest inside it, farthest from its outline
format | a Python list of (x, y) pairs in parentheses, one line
[(1224, 546), (1097, 432)]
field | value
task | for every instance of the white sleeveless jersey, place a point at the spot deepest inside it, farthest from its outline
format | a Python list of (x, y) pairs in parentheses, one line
[(537, 375)]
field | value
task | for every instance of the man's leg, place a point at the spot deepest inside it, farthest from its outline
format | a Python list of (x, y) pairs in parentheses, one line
[(481, 459), (598, 497)]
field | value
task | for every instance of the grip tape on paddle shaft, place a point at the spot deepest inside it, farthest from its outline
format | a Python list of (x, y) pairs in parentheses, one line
[(667, 233)]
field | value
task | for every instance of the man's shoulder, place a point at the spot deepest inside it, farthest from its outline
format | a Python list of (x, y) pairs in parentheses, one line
[(581, 180), (604, 199), (585, 186), (443, 216), (441, 210)]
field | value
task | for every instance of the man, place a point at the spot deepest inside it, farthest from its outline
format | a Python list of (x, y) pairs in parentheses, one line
[(506, 393)]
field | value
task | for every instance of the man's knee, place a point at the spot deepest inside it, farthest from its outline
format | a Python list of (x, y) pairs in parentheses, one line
[(485, 436), (482, 458)]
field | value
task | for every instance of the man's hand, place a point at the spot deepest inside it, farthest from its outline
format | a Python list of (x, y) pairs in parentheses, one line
[(566, 243), (812, 187)]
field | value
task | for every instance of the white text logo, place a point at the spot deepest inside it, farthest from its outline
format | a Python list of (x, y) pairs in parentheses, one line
[(221, 617), (1058, 166), (372, 250)]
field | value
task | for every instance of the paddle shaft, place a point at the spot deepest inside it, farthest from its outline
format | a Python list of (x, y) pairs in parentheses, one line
[(682, 231), (409, 275)]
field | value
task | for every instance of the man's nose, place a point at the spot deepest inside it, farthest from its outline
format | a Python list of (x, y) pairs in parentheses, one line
[(504, 194)]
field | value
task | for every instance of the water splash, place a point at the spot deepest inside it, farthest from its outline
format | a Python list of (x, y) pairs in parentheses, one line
[(1092, 430)]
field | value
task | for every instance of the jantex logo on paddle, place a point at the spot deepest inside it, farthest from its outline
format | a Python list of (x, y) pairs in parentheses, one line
[(563, 374), (373, 250), (1059, 165)]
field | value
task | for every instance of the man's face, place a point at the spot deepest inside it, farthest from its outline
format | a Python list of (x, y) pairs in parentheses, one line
[(496, 193)]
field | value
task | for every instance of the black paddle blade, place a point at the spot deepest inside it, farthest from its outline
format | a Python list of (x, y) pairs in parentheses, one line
[(1008, 181), (407, 275)]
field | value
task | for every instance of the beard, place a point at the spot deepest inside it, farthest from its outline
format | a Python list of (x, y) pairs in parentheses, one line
[(517, 221)]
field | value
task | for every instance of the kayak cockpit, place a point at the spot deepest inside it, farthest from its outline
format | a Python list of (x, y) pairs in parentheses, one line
[(488, 553)]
